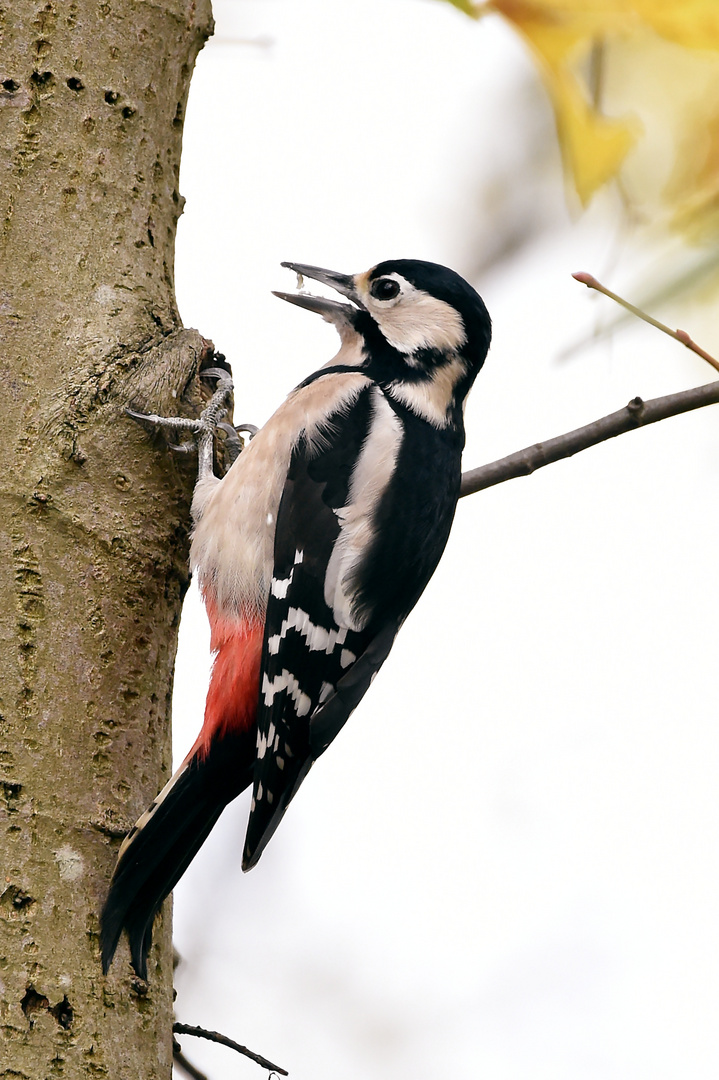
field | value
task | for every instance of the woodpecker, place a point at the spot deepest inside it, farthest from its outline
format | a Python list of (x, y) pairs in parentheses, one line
[(310, 553)]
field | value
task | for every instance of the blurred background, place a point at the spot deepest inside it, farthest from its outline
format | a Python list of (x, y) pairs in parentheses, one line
[(506, 865)]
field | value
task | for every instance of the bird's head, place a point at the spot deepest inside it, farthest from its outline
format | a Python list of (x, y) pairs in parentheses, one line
[(423, 327)]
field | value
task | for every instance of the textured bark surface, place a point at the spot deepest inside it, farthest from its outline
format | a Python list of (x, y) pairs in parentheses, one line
[(93, 512)]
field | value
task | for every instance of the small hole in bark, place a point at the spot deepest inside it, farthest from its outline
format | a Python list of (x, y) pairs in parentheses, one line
[(33, 1002), (21, 899), (41, 78), (63, 1013), (75, 84), (10, 85), (111, 97), (17, 898), (10, 792), (128, 112)]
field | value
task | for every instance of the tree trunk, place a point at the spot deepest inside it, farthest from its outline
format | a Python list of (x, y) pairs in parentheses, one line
[(94, 512)]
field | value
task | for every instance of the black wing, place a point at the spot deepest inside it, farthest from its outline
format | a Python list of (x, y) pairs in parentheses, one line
[(314, 671)]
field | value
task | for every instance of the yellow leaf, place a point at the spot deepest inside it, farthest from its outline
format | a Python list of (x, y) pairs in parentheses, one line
[(691, 23), (561, 33), (662, 64), (593, 146), (466, 6)]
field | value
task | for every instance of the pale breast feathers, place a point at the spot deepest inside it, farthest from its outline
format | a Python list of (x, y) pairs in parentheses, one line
[(235, 518)]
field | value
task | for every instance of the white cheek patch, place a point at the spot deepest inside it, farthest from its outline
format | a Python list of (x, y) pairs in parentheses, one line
[(417, 320)]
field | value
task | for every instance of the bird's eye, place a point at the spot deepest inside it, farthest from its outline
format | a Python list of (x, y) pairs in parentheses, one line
[(384, 289)]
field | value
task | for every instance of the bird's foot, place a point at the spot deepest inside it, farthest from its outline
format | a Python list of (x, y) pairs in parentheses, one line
[(205, 426)]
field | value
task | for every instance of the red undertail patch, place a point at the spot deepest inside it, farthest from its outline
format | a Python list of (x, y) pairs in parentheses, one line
[(231, 704)]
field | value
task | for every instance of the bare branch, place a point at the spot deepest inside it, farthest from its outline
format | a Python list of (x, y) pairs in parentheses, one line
[(215, 1036), (181, 1061), (636, 414), (679, 335)]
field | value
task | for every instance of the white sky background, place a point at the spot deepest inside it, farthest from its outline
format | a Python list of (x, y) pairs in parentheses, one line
[(505, 866)]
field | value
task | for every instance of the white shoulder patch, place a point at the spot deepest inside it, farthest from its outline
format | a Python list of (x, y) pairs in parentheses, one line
[(370, 477)]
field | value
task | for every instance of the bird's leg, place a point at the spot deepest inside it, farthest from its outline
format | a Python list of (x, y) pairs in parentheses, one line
[(204, 427), (209, 420)]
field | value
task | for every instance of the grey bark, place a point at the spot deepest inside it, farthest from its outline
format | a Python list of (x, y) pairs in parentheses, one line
[(93, 513)]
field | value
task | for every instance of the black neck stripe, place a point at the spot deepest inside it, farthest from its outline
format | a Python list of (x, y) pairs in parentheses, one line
[(337, 369)]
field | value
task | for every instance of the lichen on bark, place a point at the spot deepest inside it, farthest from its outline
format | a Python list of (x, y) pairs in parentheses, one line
[(94, 513)]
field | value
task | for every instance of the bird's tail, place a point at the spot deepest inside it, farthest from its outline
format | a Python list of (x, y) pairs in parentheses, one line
[(164, 841), (160, 847)]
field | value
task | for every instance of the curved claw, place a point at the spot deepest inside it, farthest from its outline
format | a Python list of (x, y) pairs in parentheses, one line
[(233, 443), (251, 429), (216, 373), (149, 418), (183, 448), (231, 433), (178, 422), (204, 427)]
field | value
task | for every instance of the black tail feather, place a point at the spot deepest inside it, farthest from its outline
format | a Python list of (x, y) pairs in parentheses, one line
[(166, 840)]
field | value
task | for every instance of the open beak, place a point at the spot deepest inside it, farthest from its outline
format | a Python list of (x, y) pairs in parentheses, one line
[(331, 310)]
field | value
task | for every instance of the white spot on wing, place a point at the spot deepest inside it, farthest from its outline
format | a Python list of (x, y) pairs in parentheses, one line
[(285, 681), (347, 658), (280, 586), (317, 638), (325, 691)]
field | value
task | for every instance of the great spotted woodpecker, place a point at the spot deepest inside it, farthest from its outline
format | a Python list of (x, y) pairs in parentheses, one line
[(310, 554)]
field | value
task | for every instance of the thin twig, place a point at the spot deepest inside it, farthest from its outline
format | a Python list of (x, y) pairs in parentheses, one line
[(636, 414), (597, 58), (679, 335), (179, 1059), (215, 1036)]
